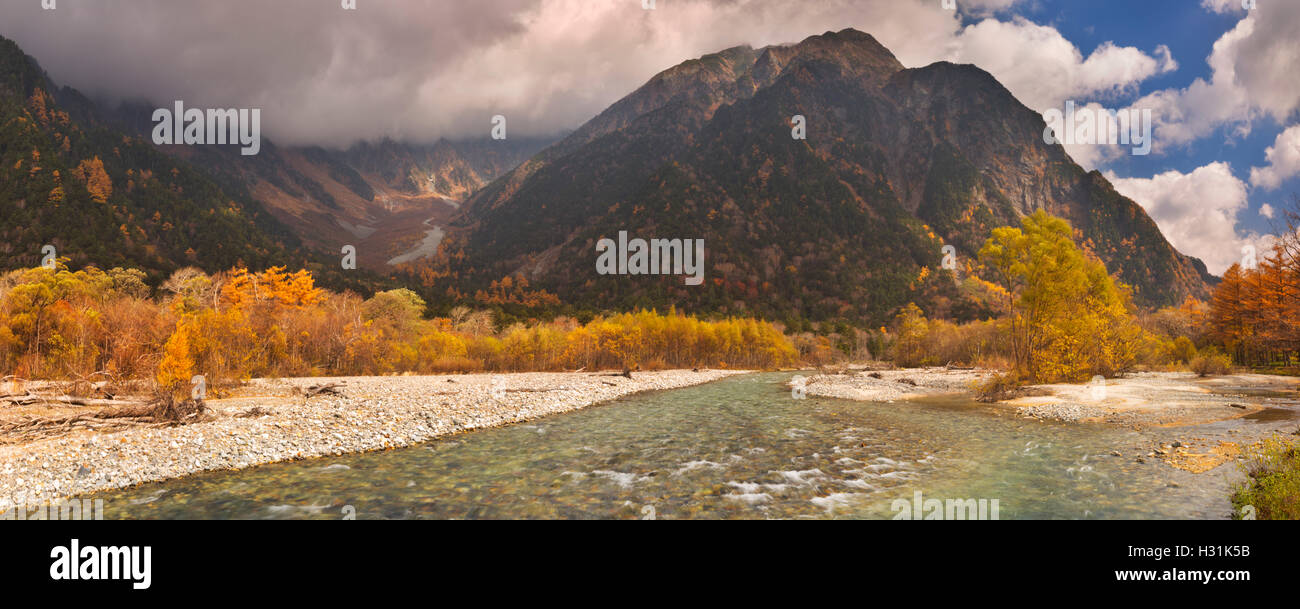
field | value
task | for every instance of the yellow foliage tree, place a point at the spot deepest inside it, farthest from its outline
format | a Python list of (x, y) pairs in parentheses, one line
[(177, 364), (91, 172), (1068, 319)]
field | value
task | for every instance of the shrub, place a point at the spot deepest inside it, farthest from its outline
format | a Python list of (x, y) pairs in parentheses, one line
[(445, 365), (1183, 350), (998, 387), (913, 329), (60, 324), (937, 342), (1211, 364), (1272, 486)]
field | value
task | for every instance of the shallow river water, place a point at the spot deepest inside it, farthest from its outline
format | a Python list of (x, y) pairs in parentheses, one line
[(737, 448)]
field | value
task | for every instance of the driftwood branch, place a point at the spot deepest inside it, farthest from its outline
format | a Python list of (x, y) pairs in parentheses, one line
[(16, 399), (31, 398), (160, 411), (323, 389)]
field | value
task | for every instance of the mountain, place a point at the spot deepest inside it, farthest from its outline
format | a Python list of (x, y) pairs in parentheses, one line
[(847, 223), (381, 197), (162, 207), (106, 196)]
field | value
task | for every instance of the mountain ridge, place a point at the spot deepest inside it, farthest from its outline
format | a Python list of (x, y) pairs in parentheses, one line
[(848, 223), (104, 196), (918, 158)]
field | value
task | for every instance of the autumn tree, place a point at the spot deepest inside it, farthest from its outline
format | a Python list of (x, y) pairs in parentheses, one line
[(1254, 312), (274, 286), (91, 172), (909, 350), (1227, 313), (1068, 319)]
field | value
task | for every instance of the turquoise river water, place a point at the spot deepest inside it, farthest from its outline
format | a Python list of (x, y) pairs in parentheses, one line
[(741, 447)]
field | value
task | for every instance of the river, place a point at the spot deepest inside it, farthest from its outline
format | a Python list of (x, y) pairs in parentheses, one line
[(736, 448)]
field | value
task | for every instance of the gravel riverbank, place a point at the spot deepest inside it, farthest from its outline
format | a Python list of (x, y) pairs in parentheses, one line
[(268, 421), (1143, 399), (1156, 399), (893, 385)]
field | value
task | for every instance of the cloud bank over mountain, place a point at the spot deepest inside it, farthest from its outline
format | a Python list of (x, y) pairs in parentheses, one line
[(425, 69)]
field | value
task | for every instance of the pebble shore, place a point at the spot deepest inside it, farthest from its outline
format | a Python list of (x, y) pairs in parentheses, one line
[(892, 385), (1138, 399), (373, 413)]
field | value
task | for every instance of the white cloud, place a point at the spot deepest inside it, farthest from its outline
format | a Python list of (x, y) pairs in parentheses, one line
[(1283, 161), (1196, 211), (1043, 69), (421, 69), (1093, 155), (1266, 210), (1252, 77), (1222, 7)]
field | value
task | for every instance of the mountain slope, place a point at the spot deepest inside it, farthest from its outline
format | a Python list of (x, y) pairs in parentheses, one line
[(380, 197), (376, 196), (897, 162), (103, 196)]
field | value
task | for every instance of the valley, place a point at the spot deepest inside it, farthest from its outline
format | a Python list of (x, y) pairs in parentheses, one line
[(788, 280)]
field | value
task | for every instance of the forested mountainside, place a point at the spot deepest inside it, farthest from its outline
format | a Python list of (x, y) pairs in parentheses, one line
[(849, 222)]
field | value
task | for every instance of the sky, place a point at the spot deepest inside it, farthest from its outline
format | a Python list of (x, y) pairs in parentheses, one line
[(1219, 80)]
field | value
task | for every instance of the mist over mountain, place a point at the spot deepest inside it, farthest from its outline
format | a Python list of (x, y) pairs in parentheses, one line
[(377, 196), (100, 196)]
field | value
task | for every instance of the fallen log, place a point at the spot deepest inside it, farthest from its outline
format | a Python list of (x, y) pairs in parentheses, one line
[(159, 410), (20, 400), (325, 388), (71, 401)]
